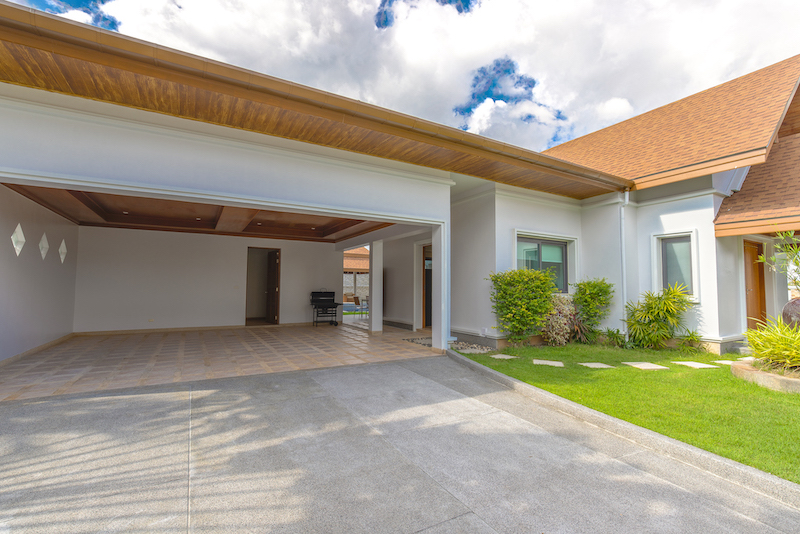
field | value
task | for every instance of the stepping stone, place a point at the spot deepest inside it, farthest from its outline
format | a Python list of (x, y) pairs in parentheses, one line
[(645, 366), (747, 359), (502, 357), (724, 362), (697, 365), (594, 365), (551, 363)]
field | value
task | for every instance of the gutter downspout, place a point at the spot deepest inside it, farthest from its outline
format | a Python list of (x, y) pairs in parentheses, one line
[(623, 257)]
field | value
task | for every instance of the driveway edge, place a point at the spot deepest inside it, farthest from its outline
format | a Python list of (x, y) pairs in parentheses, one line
[(749, 477)]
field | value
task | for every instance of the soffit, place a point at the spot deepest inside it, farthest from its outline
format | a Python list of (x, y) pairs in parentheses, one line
[(770, 197), (122, 211), (45, 52), (730, 125)]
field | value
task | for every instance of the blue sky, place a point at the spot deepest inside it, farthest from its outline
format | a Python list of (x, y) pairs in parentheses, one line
[(527, 72)]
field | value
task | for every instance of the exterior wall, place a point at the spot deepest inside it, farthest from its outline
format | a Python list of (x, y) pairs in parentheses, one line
[(730, 283), (167, 157), (474, 259), (399, 282), (692, 214), (36, 295), (601, 251), (138, 279)]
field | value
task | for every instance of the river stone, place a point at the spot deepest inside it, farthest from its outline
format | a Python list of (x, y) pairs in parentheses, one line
[(791, 313)]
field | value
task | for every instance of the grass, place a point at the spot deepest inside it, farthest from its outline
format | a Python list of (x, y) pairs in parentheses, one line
[(707, 408)]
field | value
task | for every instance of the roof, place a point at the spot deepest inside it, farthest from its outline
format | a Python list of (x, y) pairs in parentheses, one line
[(50, 53), (356, 260), (770, 196), (728, 126)]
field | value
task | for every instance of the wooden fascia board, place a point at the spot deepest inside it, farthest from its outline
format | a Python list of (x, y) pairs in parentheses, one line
[(89, 44), (753, 157), (774, 137), (763, 226)]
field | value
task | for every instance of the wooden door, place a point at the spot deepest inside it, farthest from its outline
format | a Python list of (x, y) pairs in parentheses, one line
[(427, 286), (273, 286), (756, 296)]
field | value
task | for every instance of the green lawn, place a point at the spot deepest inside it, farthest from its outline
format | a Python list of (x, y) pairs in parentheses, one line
[(708, 408)]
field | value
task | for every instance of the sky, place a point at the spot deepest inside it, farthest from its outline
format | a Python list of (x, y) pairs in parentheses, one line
[(530, 73)]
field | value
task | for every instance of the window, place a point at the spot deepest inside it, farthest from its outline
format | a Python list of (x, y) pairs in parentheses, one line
[(676, 262), (544, 255)]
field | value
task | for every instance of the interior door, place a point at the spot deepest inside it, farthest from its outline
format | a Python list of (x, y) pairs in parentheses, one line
[(756, 297), (273, 286), (427, 286)]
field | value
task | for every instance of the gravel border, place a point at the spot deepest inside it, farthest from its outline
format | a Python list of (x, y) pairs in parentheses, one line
[(749, 477)]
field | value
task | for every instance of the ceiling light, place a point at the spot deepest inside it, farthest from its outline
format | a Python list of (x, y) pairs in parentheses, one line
[(259, 224), (198, 218), (124, 212)]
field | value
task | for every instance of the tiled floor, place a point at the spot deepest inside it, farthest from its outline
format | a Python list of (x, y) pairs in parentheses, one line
[(99, 362)]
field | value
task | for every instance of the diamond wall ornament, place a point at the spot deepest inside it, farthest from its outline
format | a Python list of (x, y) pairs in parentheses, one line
[(62, 250), (44, 246), (18, 239)]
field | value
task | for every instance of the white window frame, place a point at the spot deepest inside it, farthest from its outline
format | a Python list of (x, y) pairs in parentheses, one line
[(657, 261), (572, 252)]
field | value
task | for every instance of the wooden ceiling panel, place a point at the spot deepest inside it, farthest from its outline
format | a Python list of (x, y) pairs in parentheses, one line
[(122, 211)]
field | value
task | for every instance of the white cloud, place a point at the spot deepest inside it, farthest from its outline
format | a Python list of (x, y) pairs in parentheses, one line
[(78, 16), (597, 61), (614, 110)]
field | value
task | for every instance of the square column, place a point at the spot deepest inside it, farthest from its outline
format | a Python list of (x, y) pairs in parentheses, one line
[(440, 325), (376, 287)]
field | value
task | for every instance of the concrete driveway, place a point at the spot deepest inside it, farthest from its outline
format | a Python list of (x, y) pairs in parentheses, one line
[(425, 445)]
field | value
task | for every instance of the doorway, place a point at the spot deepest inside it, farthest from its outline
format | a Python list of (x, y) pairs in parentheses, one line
[(427, 286), (263, 286), (755, 293)]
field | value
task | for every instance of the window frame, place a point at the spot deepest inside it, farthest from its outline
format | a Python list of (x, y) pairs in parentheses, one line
[(565, 244), (658, 242)]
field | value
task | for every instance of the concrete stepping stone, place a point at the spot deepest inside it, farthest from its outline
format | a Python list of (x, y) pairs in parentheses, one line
[(645, 366), (502, 357), (551, 363), (697, 365), (747, 359), (596, 365), (724, 362)]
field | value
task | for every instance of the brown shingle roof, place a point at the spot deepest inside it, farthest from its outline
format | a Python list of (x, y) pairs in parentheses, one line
[(356, 260), (770, 196), (730, 125)]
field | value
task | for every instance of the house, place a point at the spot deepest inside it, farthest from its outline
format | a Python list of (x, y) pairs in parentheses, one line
[(355, 271), (138, 180)]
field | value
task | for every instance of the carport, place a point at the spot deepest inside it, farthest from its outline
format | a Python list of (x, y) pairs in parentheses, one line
[(136, 178)]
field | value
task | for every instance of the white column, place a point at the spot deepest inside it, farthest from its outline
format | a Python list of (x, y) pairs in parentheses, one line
[(376, 287), (440, 325)]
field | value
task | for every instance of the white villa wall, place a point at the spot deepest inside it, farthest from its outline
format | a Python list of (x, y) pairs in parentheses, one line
[(138, 279), (526, 212), (36, 295), (601, 251), (474, 259), (688, 213), (730, 283), (399, 283), (168, 157)]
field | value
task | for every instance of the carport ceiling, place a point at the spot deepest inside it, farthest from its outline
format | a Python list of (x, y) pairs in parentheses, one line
[(120, 211)]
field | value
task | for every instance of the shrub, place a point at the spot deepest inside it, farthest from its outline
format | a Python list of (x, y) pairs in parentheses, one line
[(592, 299), (691, 342), (787, 257), (776, 343), (614, 337), (658, 317), (521, 300), (559, 323)]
